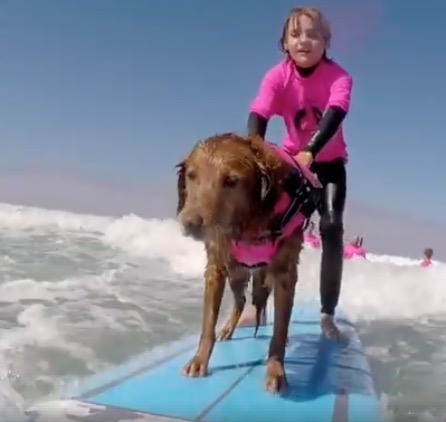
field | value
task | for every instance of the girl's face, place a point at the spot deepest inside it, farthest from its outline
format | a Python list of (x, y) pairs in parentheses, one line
[(304, 41)]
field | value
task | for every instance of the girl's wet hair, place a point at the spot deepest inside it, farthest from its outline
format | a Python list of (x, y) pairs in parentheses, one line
[(428, 253), (315, 15)]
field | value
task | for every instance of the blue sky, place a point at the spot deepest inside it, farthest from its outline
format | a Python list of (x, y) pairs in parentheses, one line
[(114, 92)]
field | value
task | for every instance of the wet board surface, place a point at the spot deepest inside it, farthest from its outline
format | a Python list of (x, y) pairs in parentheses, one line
[(328, 382)]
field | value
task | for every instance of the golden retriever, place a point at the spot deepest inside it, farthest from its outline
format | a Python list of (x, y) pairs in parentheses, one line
[(228, 187)]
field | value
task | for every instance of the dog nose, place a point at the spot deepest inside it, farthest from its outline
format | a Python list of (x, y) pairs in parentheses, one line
[(192, 226)]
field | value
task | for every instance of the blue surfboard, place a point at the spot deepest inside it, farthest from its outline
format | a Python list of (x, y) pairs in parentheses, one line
[(328, 382)]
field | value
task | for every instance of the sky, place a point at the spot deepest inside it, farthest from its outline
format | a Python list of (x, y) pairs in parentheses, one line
[(101, 98)]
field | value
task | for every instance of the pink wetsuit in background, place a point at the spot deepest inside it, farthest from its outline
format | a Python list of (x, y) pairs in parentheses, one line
[(301, 101), (350, 251), (312, 240)]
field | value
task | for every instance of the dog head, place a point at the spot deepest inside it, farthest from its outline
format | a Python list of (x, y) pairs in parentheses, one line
[(224, 182)]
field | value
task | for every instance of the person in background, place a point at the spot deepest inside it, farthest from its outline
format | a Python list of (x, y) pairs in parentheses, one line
[(354, 248), (311, 92), (310, 238), (357, 241), (427, 257), (310, 229)]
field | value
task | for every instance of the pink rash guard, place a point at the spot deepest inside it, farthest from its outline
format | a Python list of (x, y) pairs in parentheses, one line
[(301, 101), (312, 240), (350, 251), (426, 262)]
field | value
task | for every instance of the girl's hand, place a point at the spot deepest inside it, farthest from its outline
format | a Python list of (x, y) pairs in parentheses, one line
[(305, 158)]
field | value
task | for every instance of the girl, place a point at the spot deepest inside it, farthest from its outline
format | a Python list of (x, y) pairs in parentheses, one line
[(312, 94)]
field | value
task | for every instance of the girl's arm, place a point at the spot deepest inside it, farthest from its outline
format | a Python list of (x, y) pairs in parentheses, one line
[(337, 109), (257, 125)]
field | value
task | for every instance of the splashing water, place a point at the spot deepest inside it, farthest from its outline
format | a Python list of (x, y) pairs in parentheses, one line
[(80, 292)]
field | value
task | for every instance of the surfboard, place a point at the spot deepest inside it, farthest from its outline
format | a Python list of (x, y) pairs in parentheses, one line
[(328, 382)]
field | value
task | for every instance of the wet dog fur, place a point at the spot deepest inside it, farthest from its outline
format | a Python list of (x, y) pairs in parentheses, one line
[(228, 186)]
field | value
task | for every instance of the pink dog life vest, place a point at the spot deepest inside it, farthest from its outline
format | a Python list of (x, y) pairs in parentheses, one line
[(295, 207)]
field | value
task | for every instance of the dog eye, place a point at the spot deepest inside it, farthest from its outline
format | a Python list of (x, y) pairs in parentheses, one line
[(230, 181), (191, 175)]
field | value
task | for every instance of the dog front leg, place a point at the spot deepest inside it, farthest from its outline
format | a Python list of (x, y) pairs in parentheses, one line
[(284, 285), (215, 278)]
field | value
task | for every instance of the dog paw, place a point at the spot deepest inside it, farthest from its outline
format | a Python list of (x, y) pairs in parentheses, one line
[(196, 367), (275, 379), (226, 332)]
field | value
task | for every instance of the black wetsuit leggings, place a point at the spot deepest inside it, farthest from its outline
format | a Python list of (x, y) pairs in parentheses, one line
[(333, 177)]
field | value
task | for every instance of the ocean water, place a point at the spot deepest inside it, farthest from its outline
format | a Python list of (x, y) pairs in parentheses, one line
[(80, 292)]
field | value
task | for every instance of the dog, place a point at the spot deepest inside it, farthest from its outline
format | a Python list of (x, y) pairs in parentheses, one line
[(231, 195)]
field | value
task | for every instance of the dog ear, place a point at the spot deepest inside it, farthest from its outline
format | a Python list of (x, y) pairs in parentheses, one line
[(181, 185), (265, 181)]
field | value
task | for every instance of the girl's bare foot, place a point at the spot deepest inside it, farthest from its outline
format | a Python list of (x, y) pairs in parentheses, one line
[(248, 316), (329, 328)]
